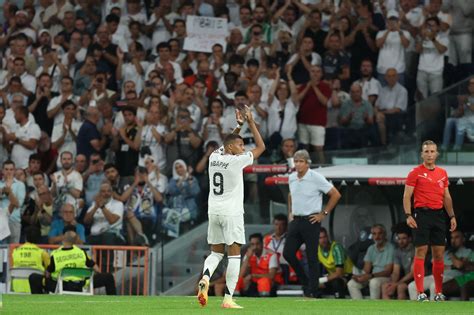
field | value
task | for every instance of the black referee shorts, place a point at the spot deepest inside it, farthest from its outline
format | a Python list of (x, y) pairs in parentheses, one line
[(431, 227)]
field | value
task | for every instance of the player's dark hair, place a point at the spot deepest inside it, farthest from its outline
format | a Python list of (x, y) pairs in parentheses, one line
[(323, 229), (281, 217), (257, 235), (229, 139), (33, 234)]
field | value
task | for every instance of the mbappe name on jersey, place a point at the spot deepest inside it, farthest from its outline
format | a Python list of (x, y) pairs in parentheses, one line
[(220, 164)]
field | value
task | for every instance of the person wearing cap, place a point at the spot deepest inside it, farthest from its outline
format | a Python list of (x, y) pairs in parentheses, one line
[(305, 213), (22, 26), (392, 43)]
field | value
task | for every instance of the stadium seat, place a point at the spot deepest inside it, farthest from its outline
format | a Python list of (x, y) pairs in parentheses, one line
[(277, 208), (84, 273), (19, 273)]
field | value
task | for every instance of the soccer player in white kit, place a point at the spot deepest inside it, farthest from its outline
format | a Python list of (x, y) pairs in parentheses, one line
[(226, 207)]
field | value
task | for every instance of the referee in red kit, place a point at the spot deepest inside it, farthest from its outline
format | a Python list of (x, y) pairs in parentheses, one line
[(429, 185)]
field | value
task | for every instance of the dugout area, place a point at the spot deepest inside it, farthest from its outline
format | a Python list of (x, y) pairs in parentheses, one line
[(373, 194)]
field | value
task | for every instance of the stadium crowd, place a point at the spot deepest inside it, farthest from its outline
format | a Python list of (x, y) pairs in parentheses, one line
[(107, 123)]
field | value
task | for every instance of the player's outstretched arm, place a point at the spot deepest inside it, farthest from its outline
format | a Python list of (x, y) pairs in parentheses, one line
[(256, 134)]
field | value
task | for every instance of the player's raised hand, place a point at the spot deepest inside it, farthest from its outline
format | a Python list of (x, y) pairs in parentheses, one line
[(240, 118), (248, 114)]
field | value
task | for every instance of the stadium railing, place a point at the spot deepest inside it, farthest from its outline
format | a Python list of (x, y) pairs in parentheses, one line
[(131, 266)]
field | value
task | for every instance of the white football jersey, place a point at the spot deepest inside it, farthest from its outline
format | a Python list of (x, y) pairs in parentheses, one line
[(226, 182)]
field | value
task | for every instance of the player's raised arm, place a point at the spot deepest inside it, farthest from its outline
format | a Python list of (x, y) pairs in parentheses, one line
[(240, 122), (256, 134)]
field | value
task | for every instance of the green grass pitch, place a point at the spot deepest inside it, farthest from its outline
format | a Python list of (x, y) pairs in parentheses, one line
[(56, 304)]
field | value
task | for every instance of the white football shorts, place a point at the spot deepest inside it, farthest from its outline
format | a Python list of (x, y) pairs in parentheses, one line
[(225, 229)]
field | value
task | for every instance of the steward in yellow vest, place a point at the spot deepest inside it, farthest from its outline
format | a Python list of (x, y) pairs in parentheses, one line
[(70, 256), (29, 255), (338, 265)]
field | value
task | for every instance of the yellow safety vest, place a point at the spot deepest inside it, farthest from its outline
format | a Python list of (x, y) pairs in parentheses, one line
[(329, 263), (27, 255), (68, 258)]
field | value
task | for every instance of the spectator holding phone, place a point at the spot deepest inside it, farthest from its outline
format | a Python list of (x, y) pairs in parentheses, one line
[(431, 45), (392, 43)]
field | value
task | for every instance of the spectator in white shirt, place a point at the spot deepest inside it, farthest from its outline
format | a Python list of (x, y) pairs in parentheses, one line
[(3, 135), (67, 183), (131, 66), (55, 105), (161, 22), (27, 80), (164, 52), (283, 105), (392, 43), (17, 101), (460, 36), (285, 18), (152, 139), (431, 46), (302, 61), (245, 17), (256, 48), (212, 125), (64, 134), (105, 215), (370, 85), (25, 139), (392, 101)]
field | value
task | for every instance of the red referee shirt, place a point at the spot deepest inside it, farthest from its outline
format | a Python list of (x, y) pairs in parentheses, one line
[(429, 186)]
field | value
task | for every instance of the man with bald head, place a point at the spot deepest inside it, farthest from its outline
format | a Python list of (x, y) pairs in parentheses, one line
[(391, 103), (89, 138), (64, 257), (357, 116)]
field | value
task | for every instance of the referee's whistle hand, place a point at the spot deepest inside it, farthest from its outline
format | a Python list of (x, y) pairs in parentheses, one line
[(411, 222)]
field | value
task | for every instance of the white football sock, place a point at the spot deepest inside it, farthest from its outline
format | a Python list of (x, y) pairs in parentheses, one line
[(210, 264), (232, 275)]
